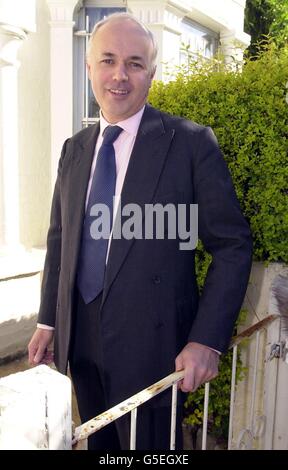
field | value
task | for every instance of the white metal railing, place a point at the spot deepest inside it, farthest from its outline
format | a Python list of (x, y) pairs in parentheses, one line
[(131, 404), (48, 425)]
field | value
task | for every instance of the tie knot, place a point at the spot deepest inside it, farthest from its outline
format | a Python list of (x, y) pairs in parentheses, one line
[(111, 133)]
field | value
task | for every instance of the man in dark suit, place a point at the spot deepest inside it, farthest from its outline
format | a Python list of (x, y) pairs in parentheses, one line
[(146, 319)]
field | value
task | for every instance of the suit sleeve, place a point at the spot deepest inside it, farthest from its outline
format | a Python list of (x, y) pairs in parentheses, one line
[(226, 236), (49, 289)]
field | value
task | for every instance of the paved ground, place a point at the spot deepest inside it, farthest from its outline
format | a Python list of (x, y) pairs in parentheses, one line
[(17, 365)]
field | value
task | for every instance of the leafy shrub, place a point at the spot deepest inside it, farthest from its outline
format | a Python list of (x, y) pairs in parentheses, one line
[(249, 115)]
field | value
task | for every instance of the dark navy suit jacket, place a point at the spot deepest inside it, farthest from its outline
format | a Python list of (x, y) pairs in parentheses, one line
[(150, 307)]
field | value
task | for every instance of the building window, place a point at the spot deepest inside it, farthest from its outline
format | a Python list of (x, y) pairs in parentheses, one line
[(197, 40), (85, 107)]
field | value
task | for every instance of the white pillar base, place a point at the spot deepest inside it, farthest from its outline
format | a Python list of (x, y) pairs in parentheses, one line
[(35, 410)]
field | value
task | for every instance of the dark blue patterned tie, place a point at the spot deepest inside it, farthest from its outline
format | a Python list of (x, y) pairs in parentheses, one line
[(92, 258)]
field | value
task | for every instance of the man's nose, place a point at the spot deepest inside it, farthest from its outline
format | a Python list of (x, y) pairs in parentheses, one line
[(120, 73)]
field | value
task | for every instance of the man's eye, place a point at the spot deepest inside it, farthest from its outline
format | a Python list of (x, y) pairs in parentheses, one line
[(135, 65), (107, 61)]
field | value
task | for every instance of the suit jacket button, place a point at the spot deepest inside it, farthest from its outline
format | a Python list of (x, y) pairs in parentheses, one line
[(156, 279)]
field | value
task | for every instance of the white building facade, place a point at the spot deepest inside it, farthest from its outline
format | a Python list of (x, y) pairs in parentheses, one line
[(45, 98)]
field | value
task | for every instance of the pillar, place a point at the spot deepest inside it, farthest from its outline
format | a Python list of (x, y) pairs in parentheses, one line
[(61, 84), (11, 38)]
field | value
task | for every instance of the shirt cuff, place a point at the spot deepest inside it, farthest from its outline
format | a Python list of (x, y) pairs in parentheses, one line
[(45, 327)]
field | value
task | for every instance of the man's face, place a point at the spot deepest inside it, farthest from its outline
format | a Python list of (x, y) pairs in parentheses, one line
[(120, 68)]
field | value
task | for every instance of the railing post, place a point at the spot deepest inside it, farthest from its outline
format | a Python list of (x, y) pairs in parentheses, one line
[(173, 416), (232, 396), (35, 410), (205, 416), (133, 429)]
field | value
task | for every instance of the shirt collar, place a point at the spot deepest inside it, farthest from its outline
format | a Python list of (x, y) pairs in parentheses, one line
[(129, 125)]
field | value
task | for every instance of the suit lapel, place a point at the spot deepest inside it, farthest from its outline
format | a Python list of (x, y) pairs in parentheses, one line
[(83, 152), (145, 166)]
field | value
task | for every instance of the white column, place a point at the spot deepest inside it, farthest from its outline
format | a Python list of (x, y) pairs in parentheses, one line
[(61, 75), (10, 41), (233, 44)]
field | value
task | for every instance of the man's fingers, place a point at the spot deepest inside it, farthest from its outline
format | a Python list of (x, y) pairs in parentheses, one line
[(37, 347), (188, 383), (47, 358), (192, 381), (33, 353), (200, 364), (39, 354), (43, 356), (179, 364)]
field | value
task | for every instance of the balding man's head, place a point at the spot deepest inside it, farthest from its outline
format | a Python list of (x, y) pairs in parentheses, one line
[(121, 65), (122, 17)]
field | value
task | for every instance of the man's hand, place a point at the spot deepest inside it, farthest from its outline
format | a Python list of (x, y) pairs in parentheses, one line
[(37, 348), (200, 364)]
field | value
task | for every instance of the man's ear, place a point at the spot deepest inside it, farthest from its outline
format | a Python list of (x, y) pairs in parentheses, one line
[(153, 71), (88, 66)]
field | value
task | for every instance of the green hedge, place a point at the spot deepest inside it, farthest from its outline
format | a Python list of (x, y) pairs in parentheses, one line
[(248, 112)]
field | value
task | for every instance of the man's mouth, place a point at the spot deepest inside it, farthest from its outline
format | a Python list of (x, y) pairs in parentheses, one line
[(117, 91)]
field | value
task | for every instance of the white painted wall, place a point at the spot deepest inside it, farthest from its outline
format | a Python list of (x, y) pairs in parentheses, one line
[(24, 166), (224, 13), (259, 306), (19, 13), (34, 131), (20, 282)]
